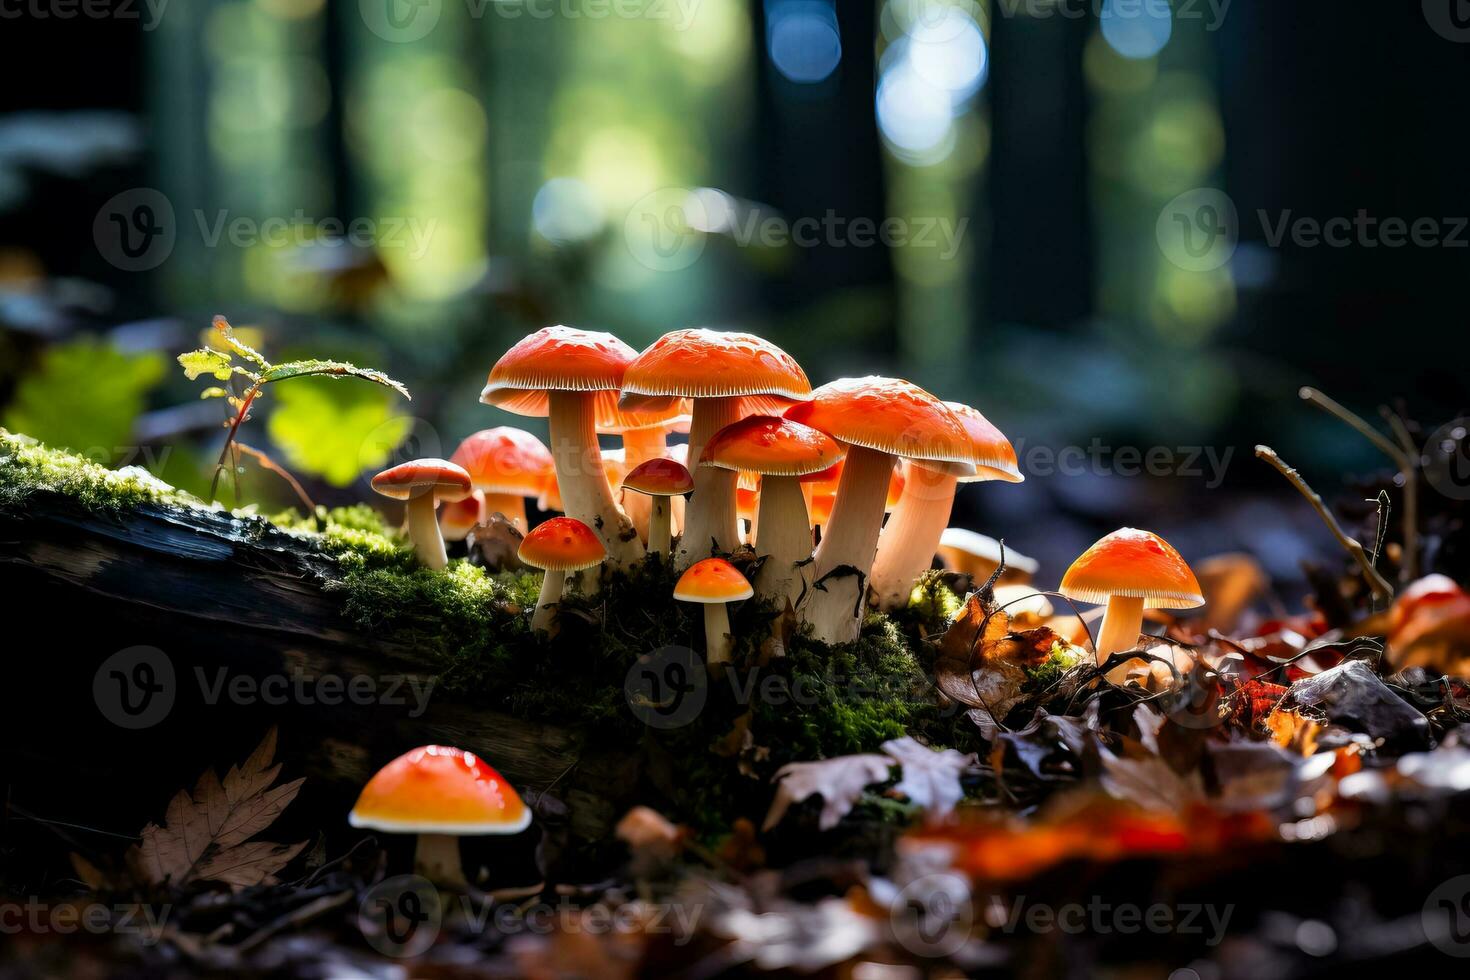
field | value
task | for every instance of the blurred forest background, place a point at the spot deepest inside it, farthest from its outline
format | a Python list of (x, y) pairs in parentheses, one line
[(506, 160)]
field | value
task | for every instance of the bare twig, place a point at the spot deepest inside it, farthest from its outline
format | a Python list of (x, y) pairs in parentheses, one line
[(1376, 582), (267, 463)]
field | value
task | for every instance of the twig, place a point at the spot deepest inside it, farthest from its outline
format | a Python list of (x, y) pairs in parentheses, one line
[(1402, 454), (267, 463), (1376, 582)]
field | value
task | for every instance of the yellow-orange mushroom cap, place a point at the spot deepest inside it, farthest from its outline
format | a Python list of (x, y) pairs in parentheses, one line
[(435, 789), (995, 457), (712, 580), (505, 460), (888, 415), (562, 544), (771, 446), (1134, 563), (700, 363)]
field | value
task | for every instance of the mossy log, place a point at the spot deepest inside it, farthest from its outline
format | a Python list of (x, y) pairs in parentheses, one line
[(248, 622)]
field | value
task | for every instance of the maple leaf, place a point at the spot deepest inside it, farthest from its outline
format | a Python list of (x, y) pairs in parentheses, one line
[(204, 835), (931, 779), (839, 781)]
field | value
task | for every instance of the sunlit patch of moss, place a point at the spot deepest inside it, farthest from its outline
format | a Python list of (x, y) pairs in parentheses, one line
[(1062, 658), (358, 535), (933, 602), (27, 468)]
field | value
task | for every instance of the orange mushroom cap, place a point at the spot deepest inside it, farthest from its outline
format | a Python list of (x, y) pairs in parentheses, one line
[(505, 460), (821, 508), (712, 580), (660, 477), (435, 789), (771, 446), (995, 457), (747, 502), (567, 359), (562, 544), (700, 363), (825, 483), (888, 415), (1130, 562), (458, 517), (445, 480)]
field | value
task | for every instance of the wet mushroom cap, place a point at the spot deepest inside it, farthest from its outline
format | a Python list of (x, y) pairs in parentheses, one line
[(1133, 563), (771, 446), (505, 460), (659, 477), (562, 544), (446, 480), (435, 789), (700, 363), (887, 415), (712, 580), (995, 457)]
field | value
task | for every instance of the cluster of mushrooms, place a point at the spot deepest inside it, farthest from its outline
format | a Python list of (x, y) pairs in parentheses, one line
[(802, 476)]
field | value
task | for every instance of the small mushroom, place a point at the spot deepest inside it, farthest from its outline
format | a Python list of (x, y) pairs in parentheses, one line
[(1130, 569), (659, 479), (457, 518), (979, 556), (559, 546), (441, 794), (507, 465), (714, 582), (422, 483)]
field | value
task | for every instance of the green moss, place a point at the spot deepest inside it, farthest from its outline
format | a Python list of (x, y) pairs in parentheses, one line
[(28, 468), (1062, 658)]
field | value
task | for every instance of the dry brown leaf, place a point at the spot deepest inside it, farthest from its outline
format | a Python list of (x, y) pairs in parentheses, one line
[(1293, 730), (839, 781), (203, 836)]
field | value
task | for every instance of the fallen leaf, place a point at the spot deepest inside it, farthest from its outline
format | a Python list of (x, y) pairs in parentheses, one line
[(839, 781), (931, 779)]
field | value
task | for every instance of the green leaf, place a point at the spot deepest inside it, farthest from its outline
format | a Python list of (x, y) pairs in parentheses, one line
[(334, 369), (214, 392), (85, 396), (206, 361), (336, 431)]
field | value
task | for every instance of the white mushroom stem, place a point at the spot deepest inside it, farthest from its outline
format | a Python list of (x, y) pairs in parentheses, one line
[(513, 509), (659, 524), (551, 586), (585, 493), (437, 858), (423, 530), (783, 538), (1121, 625), (639, 446), (710, 515), (834, 607), (717, 641), (911, 536)]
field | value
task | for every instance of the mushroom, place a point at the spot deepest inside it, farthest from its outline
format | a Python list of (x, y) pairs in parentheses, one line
[(642, 442), (558, 546), (978, 556), (572, 377), (423, 482), (879, 419), (728, 376), (1130, 569), (781, 452), (821, 490), (441, 794), (458, 517), (714, 582), (906, 546), (507, 465), (658, 480)]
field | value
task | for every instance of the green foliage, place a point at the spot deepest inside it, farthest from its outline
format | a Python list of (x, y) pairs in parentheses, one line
[(85, 396), (336, 431), (27, 467)]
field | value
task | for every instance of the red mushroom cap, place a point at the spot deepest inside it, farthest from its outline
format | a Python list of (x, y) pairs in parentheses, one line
[(771, 446), (888, 415), (505, 460), (435, 789), (660, 477), (440, 477), (699, 363), (712, 580), (458, 517), (562, 544), (1130, 562)]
